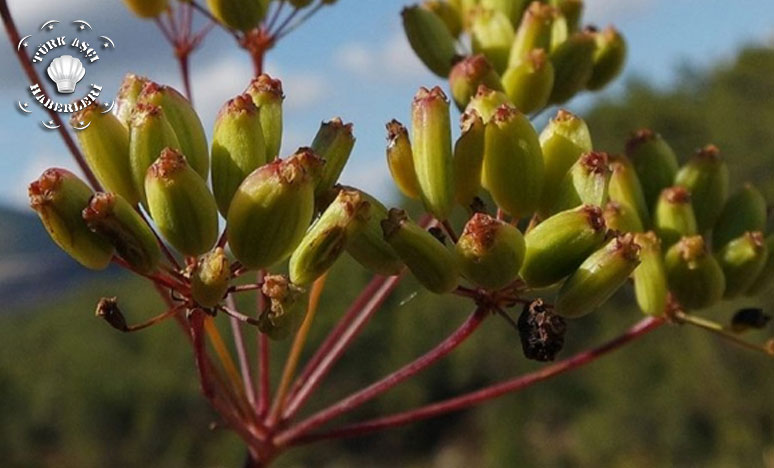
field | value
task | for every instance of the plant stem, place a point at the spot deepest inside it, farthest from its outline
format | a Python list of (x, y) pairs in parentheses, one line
[(182, 60), (239, 344), (264, 366), (377, 388), (153, 320), (480, 396), (720, 331)]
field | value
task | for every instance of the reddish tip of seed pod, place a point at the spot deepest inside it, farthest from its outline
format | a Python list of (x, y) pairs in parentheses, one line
[(504, 113), (595, 162), (266, 84), (756, 238), (395, 129), (677, 195), (425, 95), (708, 153), (638, 137), (563, 115), (395, 219), (537, 58), (468, 119), (337, 123), (627, 246), (475, 65), (483, 229), (100, 206), (84, 115), (239, 104), (692, 247), (41, 191), (595, 217), (169, 162)]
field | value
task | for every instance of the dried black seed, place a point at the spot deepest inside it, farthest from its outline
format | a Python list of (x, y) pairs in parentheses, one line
[(749, 318), (541, 332), (108, 310), (438, 233)]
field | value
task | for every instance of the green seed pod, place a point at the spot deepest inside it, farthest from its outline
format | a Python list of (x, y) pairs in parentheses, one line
[(742, 260), (673, 216), (486, 101), (210, 278), (654, 162), (534, 32), (59, 197), (650, 282), (560, 31), (430, 38), (492, 35), (573, 62), (765, 277), (609, 58), (185, 122), (105, 146), (448, 14), (695, 278), (127, 96), (557, 246), (467, 75), (625, 188), (110, 216), (744, 211), (181, 204), (468, 158), (149, 133), (572, 10), (242, 15), (586, 183), (328, 236), (529, 83), (367, 246), (432, 150), (147, 9), (513, 162), (598, 277), (563, 141), (512, 9), (622, 218), (334, 142), (400, 160), (237, 148), (267, 96), (431, 263), (706, 177), (490, 252), (272, 209), (286, 307)]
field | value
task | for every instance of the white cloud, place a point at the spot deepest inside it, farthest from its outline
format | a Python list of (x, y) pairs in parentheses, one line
[(391, 60)]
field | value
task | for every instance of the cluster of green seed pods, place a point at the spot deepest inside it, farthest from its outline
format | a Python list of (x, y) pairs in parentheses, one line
[(535, 52)]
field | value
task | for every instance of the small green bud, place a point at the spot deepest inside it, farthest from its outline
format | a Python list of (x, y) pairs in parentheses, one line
[(368, 247), (468, 158), (286, 307), (185, 122), (534, 32), (242, 15), (430, 38), (673, 216), (557, 246), (432, 150), (654, 162), (127, 96), (512, 9), (59, 197), (149, 133), (181, 205), (598, 277), (650, 282), (267, 96), (572, 10), (490, 252), (400, 159), (573, 62), (333, 142), (147, 9), (609, 58), (622, 218), (765, 277), (431, 263), (110, 216), (586, 183), (105, 146), (706, 177), (695, 278), (492, 35), (742, 260), (272, 209), (322, 245), (513, 162), (528, 84), (563, 141), (744, 211), (210, 278), (467, 75), (560, 31), (625, 188), (448, 14), (237, 148), (486, 101)]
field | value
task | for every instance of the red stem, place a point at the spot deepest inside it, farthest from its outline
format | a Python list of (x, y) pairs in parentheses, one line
[(182, 59), (339, 340), (239, 344), (377, 388), (264, 369), (480, 396)]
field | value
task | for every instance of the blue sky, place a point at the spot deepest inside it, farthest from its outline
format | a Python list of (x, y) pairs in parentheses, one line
[(350, 60)]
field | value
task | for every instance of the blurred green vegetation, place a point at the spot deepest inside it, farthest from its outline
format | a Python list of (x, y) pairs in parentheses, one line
[(74, 393)]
